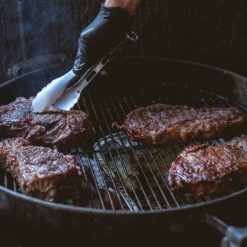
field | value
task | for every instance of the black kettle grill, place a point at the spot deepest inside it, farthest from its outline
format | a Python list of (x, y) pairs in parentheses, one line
[(135, 172)]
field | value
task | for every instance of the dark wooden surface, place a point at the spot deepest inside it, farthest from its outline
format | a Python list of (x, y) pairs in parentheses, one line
[(210, 31)]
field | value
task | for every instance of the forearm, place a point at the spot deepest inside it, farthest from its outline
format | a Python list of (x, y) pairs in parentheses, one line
[(129, 5)]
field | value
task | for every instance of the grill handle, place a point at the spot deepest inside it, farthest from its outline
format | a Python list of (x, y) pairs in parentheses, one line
[(233, 236)]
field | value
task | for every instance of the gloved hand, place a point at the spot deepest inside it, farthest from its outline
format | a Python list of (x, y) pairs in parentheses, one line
[(103, 34)]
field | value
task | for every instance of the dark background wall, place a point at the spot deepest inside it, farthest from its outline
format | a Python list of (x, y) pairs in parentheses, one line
[(210, 31)]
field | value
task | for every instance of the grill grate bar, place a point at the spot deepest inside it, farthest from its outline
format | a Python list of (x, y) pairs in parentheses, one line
[(92, 172), (108, 151), (147, 201), (155, 164), (156, 183), (14, 186), (132, 149), (127, 155), (147, 99), (119, 156), (108, 172), (146, 96), (150, 187), (96, 184), (5, 180), (165, 182), (115, 186)]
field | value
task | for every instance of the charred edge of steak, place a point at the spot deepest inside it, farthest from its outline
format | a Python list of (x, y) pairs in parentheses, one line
[(202, 170), (160, 123), (51, 127)]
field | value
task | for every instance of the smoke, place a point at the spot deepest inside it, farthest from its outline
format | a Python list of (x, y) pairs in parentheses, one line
[(31, 28)]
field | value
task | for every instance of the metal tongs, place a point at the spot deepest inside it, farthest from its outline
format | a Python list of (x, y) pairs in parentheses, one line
[(59, 92)]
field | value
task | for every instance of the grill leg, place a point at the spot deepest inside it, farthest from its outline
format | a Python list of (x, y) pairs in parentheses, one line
[(233, 236)]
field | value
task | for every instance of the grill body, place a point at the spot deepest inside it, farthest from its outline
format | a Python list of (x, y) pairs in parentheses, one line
[(146, 200)]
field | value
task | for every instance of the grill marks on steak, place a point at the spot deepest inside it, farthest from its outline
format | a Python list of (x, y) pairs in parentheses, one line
[(42, 172), (52, 127), (161, 123), (203, 170)]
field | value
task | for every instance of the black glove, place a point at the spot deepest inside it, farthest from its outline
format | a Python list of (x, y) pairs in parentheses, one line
[(103, 34)]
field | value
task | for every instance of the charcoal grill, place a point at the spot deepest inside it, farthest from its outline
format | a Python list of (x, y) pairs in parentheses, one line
[(134, 171)]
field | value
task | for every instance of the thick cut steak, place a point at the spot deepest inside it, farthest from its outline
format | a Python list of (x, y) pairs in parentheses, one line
[(52, 127), (203, 170), (42, 172), (160, 123)]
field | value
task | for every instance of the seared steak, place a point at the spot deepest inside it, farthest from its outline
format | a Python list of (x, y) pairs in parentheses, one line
[(203, 170), (160, 123), (42, 172), (52, 127)]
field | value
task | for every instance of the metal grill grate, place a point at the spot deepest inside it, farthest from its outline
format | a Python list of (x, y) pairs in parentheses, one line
[(135, 173)]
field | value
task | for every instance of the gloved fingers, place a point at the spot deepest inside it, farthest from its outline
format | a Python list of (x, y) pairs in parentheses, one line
[(103, 34), (82, 62)]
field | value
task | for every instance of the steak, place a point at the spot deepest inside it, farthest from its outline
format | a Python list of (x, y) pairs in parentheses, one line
[(47, 174), (42, 172), (51, 127), (203, 170), (161, 123)]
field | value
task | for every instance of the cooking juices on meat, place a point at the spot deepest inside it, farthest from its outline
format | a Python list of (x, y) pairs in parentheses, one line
[(203, 170), (49, 128), (161, 123)]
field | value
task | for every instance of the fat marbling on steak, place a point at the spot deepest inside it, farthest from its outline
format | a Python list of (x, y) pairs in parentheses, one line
[(203, 170), (161, 123), (51, 127), (42, 172)]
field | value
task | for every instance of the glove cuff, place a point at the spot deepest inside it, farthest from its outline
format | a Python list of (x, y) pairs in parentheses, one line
[(117, 14)]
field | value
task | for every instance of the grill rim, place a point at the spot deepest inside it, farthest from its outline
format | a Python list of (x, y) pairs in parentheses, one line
[(84, 210)]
